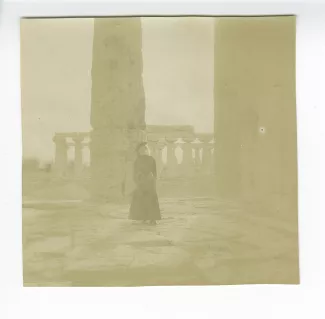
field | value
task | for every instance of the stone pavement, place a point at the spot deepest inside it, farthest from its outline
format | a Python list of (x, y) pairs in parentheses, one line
[(200, 241)]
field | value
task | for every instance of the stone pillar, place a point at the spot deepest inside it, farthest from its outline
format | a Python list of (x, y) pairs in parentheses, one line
[(78, 162), (188, 161), (118, 102), (248, 152), (255, 112), (197, 159), (172, 165), (61, 155), (213, 153), (160, 146), (206, 154)]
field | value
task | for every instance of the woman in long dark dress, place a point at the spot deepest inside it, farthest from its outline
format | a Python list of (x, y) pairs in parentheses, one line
[(145, 204)]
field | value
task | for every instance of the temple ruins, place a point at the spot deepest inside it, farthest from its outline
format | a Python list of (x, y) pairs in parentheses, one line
[(253, 152)]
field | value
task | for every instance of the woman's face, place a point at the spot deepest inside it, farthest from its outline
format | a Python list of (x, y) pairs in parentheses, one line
[(143, 150)]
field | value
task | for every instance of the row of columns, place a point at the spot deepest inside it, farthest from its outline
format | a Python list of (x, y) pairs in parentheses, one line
[(189, 165), (61, 154)]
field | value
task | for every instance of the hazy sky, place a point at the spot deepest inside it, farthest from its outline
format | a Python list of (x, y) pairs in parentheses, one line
[(56, 83)]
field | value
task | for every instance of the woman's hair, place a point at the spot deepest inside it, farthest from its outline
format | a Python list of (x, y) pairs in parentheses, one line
[(139, 146)]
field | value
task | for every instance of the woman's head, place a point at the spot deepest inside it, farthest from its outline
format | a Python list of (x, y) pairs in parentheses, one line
[(142, 149)]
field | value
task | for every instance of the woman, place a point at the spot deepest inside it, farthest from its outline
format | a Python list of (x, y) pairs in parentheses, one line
[(144, 204)]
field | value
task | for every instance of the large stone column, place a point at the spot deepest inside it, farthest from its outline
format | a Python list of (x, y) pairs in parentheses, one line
[(118, 101), (61, 155), (255, 111)]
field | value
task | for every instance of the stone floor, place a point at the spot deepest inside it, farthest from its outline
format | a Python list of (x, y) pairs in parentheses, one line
[(200, 241)]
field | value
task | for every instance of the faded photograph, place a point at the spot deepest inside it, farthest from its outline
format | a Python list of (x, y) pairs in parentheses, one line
[(159, 151)]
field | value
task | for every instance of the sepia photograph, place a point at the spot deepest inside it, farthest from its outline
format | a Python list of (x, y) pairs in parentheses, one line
[(159, 151)]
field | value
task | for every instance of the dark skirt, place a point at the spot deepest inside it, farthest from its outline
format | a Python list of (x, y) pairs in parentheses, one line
[(145, 204)]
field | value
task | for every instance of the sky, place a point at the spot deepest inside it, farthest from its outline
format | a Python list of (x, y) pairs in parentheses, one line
[(56, 59)]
